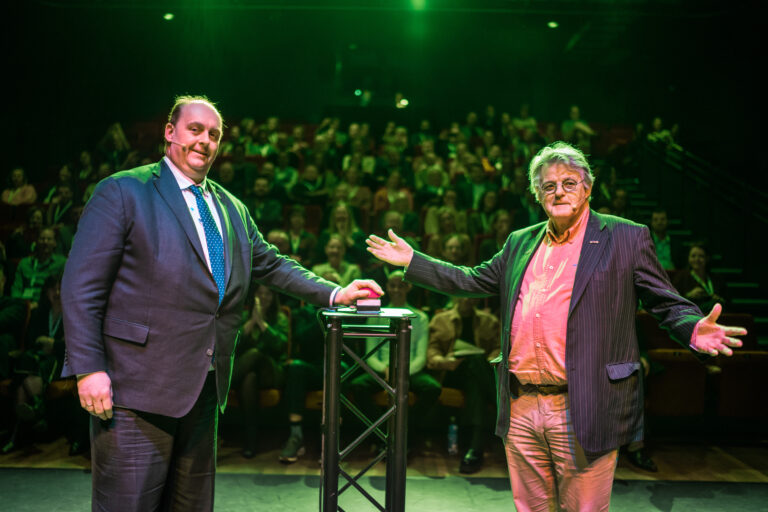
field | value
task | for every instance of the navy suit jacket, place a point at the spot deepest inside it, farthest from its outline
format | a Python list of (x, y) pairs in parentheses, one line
[(140, 303), (617, 267)]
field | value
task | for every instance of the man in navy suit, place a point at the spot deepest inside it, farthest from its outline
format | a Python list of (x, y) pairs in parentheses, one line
[(568, 378), (153, 293)]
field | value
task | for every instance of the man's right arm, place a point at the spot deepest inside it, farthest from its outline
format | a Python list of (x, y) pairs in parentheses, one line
[(97, 251)]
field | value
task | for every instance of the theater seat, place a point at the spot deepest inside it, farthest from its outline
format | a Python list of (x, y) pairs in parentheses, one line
[(679, 389), (743, 390)]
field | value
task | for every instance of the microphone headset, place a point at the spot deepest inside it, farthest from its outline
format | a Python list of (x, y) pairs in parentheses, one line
[(183, 146)]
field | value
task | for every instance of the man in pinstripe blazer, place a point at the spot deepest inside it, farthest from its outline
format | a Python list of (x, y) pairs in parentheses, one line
[(568, 379)]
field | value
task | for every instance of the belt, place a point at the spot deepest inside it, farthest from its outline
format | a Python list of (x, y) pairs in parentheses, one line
[(542, 389)]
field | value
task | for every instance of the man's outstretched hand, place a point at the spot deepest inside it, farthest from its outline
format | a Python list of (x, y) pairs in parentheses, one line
[(397, 252), (712, 338), (357, 289)]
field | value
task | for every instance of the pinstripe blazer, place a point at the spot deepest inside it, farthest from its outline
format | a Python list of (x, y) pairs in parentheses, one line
[(617, 268)]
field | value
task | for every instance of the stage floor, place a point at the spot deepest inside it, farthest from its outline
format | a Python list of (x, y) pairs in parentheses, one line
[(696, 476)]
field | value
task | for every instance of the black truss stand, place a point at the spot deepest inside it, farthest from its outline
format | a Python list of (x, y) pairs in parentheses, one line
[(397, 330)]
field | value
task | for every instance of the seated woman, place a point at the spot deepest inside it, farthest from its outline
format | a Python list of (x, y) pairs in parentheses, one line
[(697, 284), (342, 222), (335, 249), (38, 367), (262, 350)]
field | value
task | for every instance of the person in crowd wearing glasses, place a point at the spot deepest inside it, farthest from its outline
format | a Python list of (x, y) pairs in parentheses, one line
[(569, 374)]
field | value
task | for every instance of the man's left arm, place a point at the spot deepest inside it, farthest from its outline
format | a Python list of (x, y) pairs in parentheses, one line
[(684, 321), (285, 274)]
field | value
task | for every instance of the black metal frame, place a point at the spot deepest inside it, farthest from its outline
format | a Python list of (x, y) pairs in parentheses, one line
[(396, 416)]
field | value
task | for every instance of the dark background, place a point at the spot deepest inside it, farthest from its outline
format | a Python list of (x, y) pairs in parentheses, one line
[(75, 66)]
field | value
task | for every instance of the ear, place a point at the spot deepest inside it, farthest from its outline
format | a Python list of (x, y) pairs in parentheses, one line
[(169, 128)]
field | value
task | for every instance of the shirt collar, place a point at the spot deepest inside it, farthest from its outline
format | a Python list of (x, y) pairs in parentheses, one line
[(570, 234), (182, 179)]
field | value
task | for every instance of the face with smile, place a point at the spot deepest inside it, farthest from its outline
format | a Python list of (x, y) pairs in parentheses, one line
[(562, 207), (194, 140)]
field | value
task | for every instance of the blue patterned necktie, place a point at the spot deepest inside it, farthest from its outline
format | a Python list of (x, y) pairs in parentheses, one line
[(213, 241)]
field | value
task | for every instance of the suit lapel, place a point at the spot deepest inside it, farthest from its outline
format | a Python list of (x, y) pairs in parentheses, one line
[(520, 265), (595, 240), (169, 190)]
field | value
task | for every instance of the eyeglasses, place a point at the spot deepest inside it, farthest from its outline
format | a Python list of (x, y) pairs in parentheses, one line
[(568, 185)]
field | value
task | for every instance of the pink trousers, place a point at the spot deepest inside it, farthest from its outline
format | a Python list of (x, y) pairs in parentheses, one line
[(547, 467)]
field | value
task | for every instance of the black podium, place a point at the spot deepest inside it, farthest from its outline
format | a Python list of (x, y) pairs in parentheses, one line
[(394, 328)]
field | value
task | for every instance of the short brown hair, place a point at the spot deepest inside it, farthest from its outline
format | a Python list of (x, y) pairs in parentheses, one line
[(186, 99)]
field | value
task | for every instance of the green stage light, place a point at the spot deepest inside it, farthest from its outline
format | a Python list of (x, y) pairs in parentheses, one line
[(168, 16), (553, 24), (419, 5), (358, 92)]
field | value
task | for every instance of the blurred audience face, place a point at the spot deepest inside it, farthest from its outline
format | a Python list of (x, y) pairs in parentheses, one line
[(279, 239), (574, 113), (620, 200), (397, 289), (310, 173), (17, 177), (697, 260), (85, 159), (466, 306), (490, 201), (36, 219), (193, 141), (226, 173), (502, 224), (659, 223), (447, 221), (65, 175), (267, 170), (334, 250), (297, 221), (393, 220), (341, 217), (261, 187), (65, 193), (46, 243), (453, 249)]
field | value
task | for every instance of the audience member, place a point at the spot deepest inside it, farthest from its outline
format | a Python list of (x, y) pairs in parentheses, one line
[(698, 284), (421, 383), (38, 366), (22, 241), (462, 342), (261, 353), (265, 210), (335, 248), (18, 191), (64, 177), (662, 241), (577, 131), (13, 313), (302, 242), (36, 268), (341, 221)]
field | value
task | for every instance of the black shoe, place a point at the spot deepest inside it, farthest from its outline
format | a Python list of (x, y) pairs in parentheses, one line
[(472, 462), (640, 459)]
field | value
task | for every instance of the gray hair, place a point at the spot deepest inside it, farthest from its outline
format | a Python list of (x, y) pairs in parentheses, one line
[(558, 153)]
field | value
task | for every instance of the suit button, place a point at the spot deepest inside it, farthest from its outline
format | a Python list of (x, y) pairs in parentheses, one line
[(218, 315), (209, 351)]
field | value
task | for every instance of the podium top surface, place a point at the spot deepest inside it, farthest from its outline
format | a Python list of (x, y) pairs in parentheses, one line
[(383, 313)]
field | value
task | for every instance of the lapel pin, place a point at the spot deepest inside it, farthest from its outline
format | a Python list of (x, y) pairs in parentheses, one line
[(594, 241)]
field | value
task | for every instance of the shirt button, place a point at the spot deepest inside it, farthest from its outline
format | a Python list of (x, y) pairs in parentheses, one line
[(209, 352), (538, 315), (538, 344), (551, 267)]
